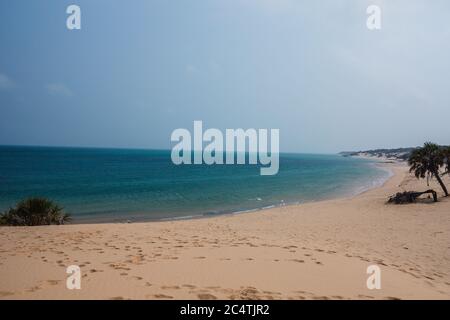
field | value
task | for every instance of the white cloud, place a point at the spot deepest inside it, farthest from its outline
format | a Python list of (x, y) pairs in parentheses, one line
[(58, 89), (5, 82)]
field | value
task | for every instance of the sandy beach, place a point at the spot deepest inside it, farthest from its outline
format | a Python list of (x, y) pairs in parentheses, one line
[(318, 250)]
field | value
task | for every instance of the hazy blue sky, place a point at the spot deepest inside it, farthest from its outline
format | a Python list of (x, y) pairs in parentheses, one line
[(139, 69)]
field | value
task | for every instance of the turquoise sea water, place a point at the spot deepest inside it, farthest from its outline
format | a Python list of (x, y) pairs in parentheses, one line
[(97, 185)]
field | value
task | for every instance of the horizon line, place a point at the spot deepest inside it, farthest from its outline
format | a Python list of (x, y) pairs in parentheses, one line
[(144, 148)]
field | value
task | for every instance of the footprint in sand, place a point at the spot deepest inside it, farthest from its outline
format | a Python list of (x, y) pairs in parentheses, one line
[(321, 298), (161, 296), (206, 296), (34, 289), (53, 282), (95, 270), (298, 260), (170, 287)]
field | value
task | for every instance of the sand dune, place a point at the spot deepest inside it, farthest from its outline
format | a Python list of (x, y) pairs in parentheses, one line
[(317, 250)]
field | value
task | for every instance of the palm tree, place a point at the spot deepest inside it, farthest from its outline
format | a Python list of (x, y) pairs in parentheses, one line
[(446, 154), (426, 162), (34, 212)]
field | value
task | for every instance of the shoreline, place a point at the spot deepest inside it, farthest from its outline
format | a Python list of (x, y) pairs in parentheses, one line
[(380, 163), (317, 250)]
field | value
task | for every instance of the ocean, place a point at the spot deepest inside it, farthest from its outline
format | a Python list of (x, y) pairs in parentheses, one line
[(117, 185)]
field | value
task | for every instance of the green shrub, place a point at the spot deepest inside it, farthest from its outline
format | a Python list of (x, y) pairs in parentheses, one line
[(34, 212)]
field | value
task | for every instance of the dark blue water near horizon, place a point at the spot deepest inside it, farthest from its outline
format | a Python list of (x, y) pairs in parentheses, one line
[(104, 185)]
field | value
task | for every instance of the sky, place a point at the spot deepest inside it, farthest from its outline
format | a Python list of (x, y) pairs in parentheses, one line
[(137, 70)]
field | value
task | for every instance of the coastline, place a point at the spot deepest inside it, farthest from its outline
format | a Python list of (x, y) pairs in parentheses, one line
[(380, 163), (308, 251), (141, 190)]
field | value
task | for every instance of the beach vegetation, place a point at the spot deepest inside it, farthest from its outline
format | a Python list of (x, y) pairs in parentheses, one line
[(426, 162), (410, 196), (34, 212), (446, 154)]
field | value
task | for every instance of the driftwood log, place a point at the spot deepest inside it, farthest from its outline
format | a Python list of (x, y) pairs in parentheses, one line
[(410, 196)]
